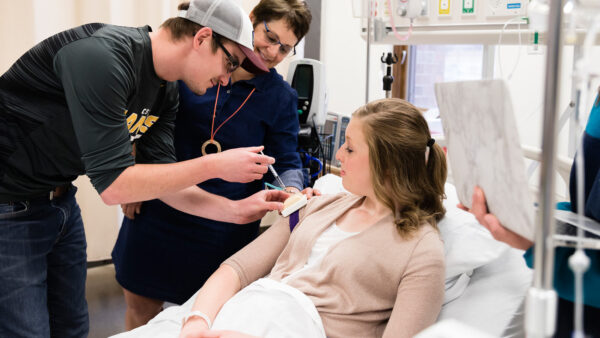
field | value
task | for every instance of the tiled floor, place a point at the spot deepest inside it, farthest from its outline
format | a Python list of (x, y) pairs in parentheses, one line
[(106, 304)]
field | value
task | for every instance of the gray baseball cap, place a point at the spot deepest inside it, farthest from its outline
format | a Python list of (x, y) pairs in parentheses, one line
[(229, 20)]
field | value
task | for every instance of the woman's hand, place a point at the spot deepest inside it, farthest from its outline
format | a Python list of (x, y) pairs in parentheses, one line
[(195, 327), (500, 233), (225, 334), (309, 192), (130, 209)]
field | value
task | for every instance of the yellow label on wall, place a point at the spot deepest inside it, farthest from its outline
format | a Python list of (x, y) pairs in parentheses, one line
[(444, 7)]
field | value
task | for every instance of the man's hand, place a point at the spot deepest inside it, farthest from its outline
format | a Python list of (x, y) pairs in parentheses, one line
[(500, 233), (253, 208), (130, 209), (242, 165)]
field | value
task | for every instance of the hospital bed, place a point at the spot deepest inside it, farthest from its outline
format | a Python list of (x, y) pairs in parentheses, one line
[(486, 281), (492, 303)]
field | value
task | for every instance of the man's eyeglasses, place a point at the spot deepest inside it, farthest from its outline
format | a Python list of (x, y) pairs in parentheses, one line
[(232, 61), (274, 40)]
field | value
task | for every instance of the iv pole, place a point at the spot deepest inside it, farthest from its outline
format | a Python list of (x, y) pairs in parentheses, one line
[(541, 305), (388, 79)]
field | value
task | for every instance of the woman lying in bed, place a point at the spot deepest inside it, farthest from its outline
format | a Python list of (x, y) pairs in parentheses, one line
[(365, 264)]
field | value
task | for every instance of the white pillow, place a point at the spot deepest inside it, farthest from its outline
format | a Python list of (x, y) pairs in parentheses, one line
[(329, 184), (467, 244)]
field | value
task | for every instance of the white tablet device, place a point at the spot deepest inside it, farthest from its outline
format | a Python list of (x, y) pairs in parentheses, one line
[(484, 149)]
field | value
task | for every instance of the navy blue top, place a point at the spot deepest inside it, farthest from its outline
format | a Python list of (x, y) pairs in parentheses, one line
[(268, 118)]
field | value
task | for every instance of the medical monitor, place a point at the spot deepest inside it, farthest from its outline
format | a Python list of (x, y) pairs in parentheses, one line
[(307, 77)]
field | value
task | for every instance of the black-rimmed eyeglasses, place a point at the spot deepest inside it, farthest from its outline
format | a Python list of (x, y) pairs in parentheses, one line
[(232, 62)]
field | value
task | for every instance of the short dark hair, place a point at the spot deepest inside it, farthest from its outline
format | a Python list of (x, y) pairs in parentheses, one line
[(180, 28), (295, 12)]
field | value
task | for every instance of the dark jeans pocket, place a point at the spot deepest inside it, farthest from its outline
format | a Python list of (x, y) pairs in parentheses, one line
[(13, 209)]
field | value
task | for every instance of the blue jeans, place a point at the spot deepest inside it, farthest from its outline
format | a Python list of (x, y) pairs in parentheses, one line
[(43, 269)]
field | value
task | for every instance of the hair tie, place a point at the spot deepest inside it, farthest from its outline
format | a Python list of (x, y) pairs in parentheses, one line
[(430, 142)]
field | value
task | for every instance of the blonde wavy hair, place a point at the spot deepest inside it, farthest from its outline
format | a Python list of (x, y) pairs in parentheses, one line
[(403, 179)]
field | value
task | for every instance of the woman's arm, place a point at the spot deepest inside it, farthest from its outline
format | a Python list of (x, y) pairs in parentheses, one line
[(217, 290), (421, 292), (254, 261)]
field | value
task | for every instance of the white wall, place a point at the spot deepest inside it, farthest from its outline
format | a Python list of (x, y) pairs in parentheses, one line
[(15, 16), (527, 86), (527, 91), (344, 53), (24, 23)]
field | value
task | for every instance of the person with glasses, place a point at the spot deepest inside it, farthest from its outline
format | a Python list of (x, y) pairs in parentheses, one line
[(232, 62), (157, 244), (84, 101)]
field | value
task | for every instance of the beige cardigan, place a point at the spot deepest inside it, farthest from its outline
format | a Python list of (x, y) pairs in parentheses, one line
[(372, 284)]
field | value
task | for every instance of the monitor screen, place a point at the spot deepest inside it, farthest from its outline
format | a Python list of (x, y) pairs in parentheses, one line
[(303, 81)]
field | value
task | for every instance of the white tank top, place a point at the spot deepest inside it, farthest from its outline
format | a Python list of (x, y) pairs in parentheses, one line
[(328, 238)]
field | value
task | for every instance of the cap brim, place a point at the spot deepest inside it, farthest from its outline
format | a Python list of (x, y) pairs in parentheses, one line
[(253, 62)]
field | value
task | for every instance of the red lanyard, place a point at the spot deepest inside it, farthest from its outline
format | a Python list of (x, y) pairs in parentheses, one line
[(212, 134)]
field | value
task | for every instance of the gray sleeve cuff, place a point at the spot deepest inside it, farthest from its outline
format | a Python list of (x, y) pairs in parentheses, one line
[(292, 178)]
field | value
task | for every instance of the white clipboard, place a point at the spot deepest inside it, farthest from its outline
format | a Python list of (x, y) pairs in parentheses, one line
[(484, 150)]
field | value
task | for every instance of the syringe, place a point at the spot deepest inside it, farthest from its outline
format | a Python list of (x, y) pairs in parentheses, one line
[(275, 174)]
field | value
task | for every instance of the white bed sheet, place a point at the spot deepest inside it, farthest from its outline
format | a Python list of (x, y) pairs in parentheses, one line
[(494, 295), (490, 302)]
